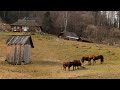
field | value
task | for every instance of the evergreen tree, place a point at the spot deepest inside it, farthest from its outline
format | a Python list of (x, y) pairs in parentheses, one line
[(47, 23)]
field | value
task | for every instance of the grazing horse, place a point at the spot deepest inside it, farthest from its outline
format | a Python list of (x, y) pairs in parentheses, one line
[(86, 58), (97, 58), (74, 63), (77, 63), (67, 64)]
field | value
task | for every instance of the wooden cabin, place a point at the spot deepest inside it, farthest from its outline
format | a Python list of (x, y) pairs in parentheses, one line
[(68, 35), (19, 49), (26, 25)]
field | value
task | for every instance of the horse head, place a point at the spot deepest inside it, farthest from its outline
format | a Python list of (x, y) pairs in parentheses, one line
[(102, 60), (82, 60)]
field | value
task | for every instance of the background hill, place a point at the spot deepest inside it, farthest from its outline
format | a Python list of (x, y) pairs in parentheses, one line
[(98, 26), (49, 54)]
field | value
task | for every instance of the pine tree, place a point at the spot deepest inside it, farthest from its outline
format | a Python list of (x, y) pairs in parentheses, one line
[(47, 23)]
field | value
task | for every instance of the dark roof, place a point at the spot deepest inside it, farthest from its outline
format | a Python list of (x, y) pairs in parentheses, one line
[(20, 39), (24, 22), (70, 34)]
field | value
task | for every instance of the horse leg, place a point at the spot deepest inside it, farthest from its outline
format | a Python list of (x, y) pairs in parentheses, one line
[(89, 63), (83, 63), (101, 61), (75, 67), (93, 62), (65, 68), (68, 68)]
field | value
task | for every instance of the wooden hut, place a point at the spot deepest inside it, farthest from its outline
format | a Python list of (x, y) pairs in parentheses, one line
[(19, 49)]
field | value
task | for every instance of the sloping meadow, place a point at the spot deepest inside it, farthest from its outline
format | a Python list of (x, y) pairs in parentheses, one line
[(50, 52)]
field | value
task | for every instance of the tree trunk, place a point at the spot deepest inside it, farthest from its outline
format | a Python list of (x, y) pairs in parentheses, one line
[(119, 19), (65, 22)]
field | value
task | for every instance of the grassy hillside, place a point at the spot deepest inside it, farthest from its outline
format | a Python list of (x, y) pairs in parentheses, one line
[(49, 54)]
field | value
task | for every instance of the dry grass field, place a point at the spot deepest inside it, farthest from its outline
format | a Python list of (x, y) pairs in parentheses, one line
[(49, 54)]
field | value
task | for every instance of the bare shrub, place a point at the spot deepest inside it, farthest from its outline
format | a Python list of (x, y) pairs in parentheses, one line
[(90, 31), (114, 33)]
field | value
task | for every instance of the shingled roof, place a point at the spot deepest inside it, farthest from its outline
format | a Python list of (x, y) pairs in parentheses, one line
[(24, 22), (70, 34), (20, 39)]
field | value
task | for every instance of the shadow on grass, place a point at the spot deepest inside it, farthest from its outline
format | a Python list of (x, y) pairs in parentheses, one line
[(46, 63), (81, 68)]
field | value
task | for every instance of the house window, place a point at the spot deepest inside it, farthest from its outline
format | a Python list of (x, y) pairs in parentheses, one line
[(18, 27), (14, 27), (25, 28)]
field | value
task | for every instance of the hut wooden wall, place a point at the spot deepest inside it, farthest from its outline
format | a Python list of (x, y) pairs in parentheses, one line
[(27, 53), (18, 54), (9, 53)]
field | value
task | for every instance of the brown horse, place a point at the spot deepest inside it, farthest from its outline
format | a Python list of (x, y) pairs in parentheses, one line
[(86, 58), (74, 63), (67, 64), (77, 63), (99, 57)]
